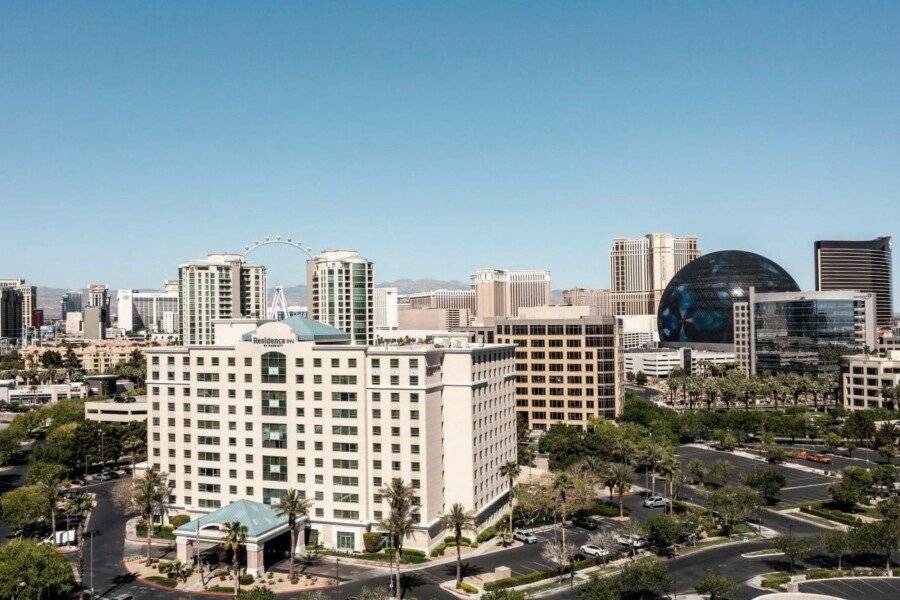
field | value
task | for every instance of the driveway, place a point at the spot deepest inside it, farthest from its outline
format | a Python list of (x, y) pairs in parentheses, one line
[(860, 588)]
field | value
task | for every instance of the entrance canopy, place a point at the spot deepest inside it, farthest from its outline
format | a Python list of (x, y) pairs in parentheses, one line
[(261, 520)]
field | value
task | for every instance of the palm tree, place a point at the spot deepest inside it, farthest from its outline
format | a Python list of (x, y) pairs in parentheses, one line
[(293, 505), (562, 485), (653, 456), (623, 475), (458, 519), (132, 445), (399, 523), (53, 490), (149, 495), (80, 505), (234, 535), (510, 471)]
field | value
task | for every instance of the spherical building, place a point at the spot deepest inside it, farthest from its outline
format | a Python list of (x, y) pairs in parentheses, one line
[(696, 305)]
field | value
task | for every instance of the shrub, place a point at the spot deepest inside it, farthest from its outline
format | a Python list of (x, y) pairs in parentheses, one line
[(775, 581), (179, 520), (408, 552), (164, 566), (516, 580), (256, 593), (439, 549), (220, 588), (463, 541), (467, 588), (166, 581), (487, 534), (372, 541), (245, 579), (818, 510)]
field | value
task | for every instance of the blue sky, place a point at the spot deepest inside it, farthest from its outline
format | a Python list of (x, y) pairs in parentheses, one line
[(436, 138)]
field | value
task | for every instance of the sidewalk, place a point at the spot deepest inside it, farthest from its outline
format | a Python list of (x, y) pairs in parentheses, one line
[(132, 536)]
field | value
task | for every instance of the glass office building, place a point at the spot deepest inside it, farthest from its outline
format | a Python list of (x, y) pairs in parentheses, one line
[(805, 332)]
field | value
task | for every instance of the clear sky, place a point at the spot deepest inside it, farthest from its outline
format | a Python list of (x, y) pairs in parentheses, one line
[(438, 137)]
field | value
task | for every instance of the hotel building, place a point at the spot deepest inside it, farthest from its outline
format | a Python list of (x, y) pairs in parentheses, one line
[(596, 298), (339, 288), (864, 266), (500, 293), (865, 376), (223, 286), (292, 404), (460, 299), (29, 300), (568, 364), (150, 311), (640, 269)]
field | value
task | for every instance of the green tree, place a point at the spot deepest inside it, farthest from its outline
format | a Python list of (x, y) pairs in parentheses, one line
[(836, 543), (294, 506), (622, 476), (852, 489), (645, 578), (24, 506), (793, 547), (768, 481), (885, 476), (149, 494), (80, 505), (879, 537), (661, 531), (832, 441), (399, 523), (33, 571), (697, 469), (719, 472), (718, 587), (640, 378), (234, 535), (458, 520), (732, 505)]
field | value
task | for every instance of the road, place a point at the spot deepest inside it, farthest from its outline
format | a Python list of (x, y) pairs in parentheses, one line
[(11, 477)]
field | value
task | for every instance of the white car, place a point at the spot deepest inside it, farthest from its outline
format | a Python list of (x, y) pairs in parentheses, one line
[(525, 537), (631, 541), (592, 550), (657, 502)]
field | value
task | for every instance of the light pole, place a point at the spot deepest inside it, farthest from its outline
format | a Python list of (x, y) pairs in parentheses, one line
[(337, 571)]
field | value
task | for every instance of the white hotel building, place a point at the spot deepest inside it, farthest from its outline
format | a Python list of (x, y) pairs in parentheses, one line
[(275, 405)]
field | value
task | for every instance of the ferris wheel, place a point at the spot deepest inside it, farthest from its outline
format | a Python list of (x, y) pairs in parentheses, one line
[(278, 309)]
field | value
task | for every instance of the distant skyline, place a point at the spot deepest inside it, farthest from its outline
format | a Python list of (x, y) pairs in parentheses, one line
[(436, 139)]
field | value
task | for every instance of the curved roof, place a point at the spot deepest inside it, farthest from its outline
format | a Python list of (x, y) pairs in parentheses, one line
[(308, 330)]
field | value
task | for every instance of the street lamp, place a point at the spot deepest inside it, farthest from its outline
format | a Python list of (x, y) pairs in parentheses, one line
[(337, 571)]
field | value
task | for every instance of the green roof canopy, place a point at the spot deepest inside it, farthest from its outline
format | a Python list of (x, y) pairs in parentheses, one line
[(308, 330), (258, 518)]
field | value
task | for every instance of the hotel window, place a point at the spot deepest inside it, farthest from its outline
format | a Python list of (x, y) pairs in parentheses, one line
[(274, 366), (274, 403), (274, 468)]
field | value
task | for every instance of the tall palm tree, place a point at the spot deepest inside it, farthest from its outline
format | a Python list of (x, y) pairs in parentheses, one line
[(399, 523), (563, 485), (149, 494), (234, 535), (510, 471), (80, 505), (623, 475), (53, 491), (293, 505), (653, 456), (458, 519)]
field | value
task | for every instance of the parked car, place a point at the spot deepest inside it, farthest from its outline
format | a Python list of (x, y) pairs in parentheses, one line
[(657, 502), (525, 537), (593, 551), (77, 482), (812, 456), (587, 522), (106, 476), (631, 541)]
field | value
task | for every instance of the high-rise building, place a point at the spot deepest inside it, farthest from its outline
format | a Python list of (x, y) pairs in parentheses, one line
[(29, 299), (153, 312), (223, 286), (801, 331), (569, 364), (10, 313), (385, 308), (340, 290), (596, 298), (98, 296), (338, 421), (640, 269), (442, 299), (71, 301), (93, 323), (500, 293), (864, 266)]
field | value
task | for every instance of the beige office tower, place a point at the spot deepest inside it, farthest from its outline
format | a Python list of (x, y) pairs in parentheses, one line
[(224, 286), (596, 298), (339, 291), (500, 293), (569, 364), (640, 269), (282, 405), (443, 299), (29, 299)]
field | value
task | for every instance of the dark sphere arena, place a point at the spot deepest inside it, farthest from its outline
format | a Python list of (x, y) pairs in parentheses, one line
[(696, 306)]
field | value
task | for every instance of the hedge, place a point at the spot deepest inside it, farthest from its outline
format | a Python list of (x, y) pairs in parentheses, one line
[(220, 588), (410, 552), (179, 520), (487, 534), (774, 581), (163, 532), (831, 515), (246, 579), (463, 540), (467, 588), (516, 580), (372, 541), (166, 581), (439, 549)]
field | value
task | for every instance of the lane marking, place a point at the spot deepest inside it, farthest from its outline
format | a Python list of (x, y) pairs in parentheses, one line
[(809, 485)]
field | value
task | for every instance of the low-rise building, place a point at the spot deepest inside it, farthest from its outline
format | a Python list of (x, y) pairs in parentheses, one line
[(865, 376), (95, 356), (433, 318), (37, 395), (658, 363), (292, 404)]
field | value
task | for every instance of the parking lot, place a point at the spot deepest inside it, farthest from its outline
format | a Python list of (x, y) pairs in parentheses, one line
[(856, 588), (800, 486)]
